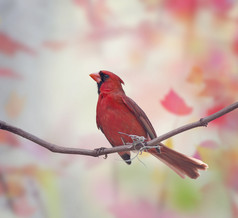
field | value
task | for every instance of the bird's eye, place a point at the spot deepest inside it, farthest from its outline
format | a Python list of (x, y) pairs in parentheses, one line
[(104, 76)]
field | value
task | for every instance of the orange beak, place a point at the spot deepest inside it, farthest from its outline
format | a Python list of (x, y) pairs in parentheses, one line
[(96, 77)]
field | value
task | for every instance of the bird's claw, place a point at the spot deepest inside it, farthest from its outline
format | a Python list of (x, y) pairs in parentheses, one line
[(99, 151)]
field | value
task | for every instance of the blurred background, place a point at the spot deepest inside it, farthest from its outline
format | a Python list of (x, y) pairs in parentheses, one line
[(179, 62)]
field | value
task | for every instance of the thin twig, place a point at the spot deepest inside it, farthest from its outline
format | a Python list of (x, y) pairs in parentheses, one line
[(203, 122), (129, 147)]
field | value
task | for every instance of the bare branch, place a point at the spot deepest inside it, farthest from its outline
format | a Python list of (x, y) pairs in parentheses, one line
[(105, 151), (200, 123)]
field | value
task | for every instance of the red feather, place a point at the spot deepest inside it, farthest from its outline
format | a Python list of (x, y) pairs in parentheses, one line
[(117, 113)]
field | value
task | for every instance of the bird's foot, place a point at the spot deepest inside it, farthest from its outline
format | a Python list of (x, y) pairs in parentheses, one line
[(136, 140), (99, 151)]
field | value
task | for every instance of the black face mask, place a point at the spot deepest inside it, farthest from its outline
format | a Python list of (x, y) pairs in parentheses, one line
[(104, 77)]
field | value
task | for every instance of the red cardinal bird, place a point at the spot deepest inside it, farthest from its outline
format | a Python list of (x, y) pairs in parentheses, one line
[(117, 114)]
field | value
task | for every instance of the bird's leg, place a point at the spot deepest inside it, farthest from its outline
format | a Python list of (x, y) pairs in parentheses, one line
[(123, 141), (99, 151)]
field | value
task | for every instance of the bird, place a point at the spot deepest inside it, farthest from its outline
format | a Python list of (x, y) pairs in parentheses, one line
[(119, 118)]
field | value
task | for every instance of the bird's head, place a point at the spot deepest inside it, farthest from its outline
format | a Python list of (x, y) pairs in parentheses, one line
[(107, 81)]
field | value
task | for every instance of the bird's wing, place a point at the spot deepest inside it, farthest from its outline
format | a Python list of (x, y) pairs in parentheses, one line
[(98, 123), (140, 115)]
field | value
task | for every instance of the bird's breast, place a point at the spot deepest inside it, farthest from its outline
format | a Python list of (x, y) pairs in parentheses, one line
[(113, 117)]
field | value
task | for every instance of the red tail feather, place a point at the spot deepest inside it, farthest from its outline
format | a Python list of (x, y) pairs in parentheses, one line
[(180, 163)]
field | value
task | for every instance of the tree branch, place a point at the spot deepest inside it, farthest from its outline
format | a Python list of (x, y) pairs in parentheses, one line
[(105, 151)]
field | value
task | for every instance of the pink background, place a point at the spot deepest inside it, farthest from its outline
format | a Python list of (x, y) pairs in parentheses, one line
[(179, 62)]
